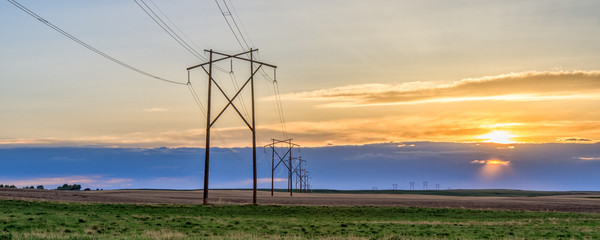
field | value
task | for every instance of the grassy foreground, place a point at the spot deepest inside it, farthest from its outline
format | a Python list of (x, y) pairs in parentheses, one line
[(51, 220)]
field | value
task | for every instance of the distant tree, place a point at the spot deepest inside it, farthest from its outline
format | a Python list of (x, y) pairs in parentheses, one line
[(1, 185), (87, 189), (65, 186), (12, 186), (31, 187), (41, 187)]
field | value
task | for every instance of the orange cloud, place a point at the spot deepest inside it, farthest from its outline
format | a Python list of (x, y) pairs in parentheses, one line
[(491, 162), (524, 86), (459, 127)]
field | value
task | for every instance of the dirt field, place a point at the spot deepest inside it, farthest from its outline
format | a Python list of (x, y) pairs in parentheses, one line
[(564, 203)]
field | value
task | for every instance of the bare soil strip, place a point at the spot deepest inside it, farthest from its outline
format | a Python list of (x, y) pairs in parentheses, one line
[(563, 203)]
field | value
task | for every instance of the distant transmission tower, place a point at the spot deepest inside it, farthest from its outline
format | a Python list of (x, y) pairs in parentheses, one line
[(301, 174), (424, 185), (412, 186), (395, 186), (437, 186), (251, 123), (284, 158)]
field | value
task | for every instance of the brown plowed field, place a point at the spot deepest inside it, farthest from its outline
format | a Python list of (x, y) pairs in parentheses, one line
[(563, 203)]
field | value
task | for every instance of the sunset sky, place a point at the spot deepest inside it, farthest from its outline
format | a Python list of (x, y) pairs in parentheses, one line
[(349, 73)]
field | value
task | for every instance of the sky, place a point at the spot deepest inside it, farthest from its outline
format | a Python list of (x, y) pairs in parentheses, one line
[(350, 74), (552, 166)]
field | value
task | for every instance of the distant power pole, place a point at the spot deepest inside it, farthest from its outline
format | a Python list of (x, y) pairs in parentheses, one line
[(210, 121), (424, 185), (395, 186), (437, 186), (282, 158), (412, 186)]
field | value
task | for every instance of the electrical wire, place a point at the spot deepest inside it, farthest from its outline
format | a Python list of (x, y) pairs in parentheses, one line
[(236, 25), (215, 130), (241, 24), (95, 50), (89, 47), (158, 20), (241, 97), (279, 107), (176, 27), (229, 24), (167, 29)]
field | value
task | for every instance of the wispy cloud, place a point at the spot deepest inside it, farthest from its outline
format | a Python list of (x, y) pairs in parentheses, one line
[(156, 109), (524, 86), (458, 127), (589, 158), (573, 139)]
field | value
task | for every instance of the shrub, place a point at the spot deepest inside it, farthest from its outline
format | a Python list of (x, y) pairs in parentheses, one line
[(69, 187)]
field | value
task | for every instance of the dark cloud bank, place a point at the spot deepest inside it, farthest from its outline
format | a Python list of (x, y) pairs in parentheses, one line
[(551, 166)]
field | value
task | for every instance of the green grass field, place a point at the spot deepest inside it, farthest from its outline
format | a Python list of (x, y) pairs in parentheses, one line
[(51, 220)]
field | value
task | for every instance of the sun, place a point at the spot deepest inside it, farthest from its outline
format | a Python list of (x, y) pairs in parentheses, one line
[(498, 136)]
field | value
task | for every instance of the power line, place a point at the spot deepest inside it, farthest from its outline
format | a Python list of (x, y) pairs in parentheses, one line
[(158, 20), (241, 99), (44, 21), (230, 27), (216, 131), (273, 80), (168, 29), (176, 27), (280, 109), (241, 24), (236, 25)]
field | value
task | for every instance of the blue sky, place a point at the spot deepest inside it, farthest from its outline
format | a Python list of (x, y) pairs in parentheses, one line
[(452, 165), (353, 77)]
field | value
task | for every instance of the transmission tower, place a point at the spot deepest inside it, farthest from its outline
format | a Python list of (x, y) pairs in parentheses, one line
[(306, 177), (282, 158), (210, 121), (437, 186), (424, 185), (395, 186), (412, 186), (301, 174)]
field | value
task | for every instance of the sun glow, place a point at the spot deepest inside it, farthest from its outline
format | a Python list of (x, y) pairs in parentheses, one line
[(497, 162), (492, 168), (498, 136)]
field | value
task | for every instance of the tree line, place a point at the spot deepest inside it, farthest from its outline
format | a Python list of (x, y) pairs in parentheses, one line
[(26, 187), (74, 187)]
